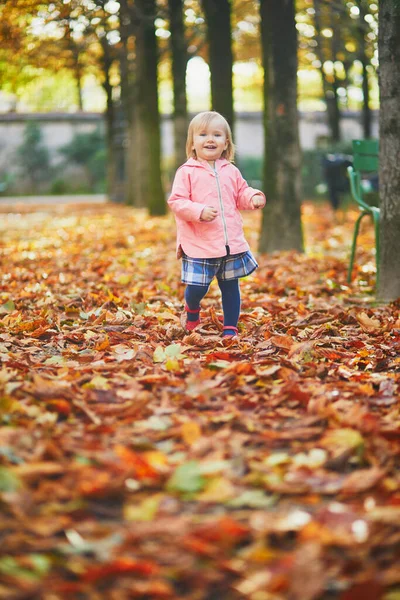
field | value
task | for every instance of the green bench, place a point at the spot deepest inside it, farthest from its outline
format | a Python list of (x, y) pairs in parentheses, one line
[(365, 161)]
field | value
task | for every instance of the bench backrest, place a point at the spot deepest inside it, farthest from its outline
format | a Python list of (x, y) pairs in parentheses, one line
[(366, 155)]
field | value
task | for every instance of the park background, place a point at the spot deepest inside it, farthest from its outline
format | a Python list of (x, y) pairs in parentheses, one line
[(56, 92), (139, 462)]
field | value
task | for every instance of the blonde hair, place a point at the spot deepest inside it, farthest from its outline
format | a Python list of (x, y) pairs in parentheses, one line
[(201, 121)]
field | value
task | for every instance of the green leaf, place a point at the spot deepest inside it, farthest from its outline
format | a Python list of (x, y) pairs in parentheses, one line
[(219, 364), (171, 354), (139, 308), (253, 499), (9, 566), (55, 360), (41, 563), (159, 355), (8, 481), (7, 307), (174, 351), (187, 478)]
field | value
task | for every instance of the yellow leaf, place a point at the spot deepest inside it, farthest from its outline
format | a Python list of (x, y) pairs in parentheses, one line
[(219, 489), (157, 460), (191, 432), (145, 511), (172, 365), (103, 345)]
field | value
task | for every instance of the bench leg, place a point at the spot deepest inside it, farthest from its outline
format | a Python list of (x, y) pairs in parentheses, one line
[(353, 247)]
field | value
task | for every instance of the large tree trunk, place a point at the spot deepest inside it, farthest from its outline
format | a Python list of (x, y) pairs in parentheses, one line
[(145, 145), (389, 127), (281, 227), (179, 64), (218, 18)]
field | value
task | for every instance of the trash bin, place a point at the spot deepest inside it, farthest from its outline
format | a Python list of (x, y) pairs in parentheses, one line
[(335, 176)]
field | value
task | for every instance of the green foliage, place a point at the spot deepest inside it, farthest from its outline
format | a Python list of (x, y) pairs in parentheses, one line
[(33, 155), (59, 187), (313, 184), (88, 150), (251, 168), (48, 91), (312, 175), (6, 181)]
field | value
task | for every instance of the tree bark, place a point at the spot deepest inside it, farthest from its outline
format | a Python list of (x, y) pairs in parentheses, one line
[(126, 170), (110, 121), (389, 127), (366, 110), (329, 88), (218, 18), (145, 143), (179, 64), (281, 226)]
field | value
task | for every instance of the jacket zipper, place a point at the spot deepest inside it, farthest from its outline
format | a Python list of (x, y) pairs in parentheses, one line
[(222, 210)]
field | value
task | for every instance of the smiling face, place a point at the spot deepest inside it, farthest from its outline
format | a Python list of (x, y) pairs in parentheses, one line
[(209, 138), (210, 141)]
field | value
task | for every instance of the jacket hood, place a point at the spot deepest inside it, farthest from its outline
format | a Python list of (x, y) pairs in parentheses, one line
[(192, 162)]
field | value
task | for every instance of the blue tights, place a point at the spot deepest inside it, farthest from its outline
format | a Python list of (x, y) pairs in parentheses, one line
[(230, 301)]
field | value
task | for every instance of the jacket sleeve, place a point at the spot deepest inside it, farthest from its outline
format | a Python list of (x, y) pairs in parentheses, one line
[(245, 193), (180, 201)]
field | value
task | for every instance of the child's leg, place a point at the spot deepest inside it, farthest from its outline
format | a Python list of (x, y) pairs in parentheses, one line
[(231, 305), (193, 295)]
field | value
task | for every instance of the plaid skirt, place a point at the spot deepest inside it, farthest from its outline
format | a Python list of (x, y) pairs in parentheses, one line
[(201, 271)]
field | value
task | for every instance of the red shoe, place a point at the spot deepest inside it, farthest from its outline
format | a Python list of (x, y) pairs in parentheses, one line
[(189, 325), (230, 335)]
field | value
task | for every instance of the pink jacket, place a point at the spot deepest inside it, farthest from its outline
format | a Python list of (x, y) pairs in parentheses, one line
[(196, 186)]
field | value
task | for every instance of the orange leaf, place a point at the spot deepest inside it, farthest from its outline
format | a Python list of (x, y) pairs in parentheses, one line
[(281, 341), (119, 567), (143, 469)]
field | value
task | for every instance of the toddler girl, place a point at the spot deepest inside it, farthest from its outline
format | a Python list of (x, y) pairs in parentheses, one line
[(207, 194)]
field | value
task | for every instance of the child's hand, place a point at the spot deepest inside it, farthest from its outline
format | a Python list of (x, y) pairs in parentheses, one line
[(208, 214), (258, 201)]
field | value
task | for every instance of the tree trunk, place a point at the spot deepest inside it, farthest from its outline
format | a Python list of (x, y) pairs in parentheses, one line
[(389, 127), (281, 227), (366, 111), (336, 133), (330, 95), (145, 147), (126, 170), (179, 64), (78, 77), (218, 18), (110, 121)]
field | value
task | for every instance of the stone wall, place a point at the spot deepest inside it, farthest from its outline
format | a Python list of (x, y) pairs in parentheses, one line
[(59, 129)]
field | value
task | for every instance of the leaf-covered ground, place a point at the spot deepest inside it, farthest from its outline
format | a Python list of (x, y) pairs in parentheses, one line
[(137, 462)]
